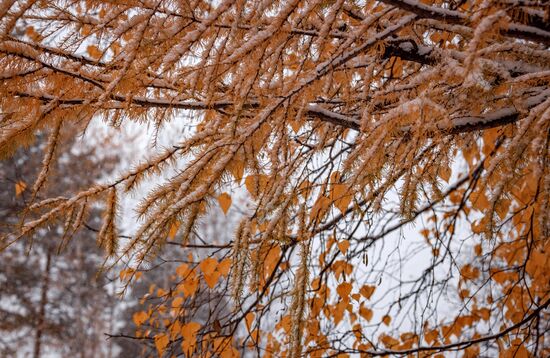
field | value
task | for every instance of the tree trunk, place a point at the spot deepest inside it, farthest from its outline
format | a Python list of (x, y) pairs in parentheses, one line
[(42, 309)]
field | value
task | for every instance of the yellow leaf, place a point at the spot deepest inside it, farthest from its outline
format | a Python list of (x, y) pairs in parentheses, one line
[(296, 125), (388, 341), (445, 173), (177, 302), (189, 286), (86, 30), (343, 246), (249, 319), (20, 187), (173, 229), (161, 341), (139, 318), (225, 202), (366, 313), (224, 266), (236, 167), (342, 199), (212, 279), (367, 291), (182, 269), (484, 313), (208, 265), (344, 290), (320, 208), (31, 32), (272, 258), (126, 273), (430, 336), (94, 51), (189, 331)]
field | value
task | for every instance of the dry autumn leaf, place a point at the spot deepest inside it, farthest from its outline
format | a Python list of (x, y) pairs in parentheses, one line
[(20, 187), (173, 230), (343, 246), (343, 290), (208, 265), (140, 317), (224, 266), (161, 342), (367, 291), (94, 52), (224, 200)]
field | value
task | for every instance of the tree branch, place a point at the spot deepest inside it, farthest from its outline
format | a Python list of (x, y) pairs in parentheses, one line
[(527, 32), (462, 344)]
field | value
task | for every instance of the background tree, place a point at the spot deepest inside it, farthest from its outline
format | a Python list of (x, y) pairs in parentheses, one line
[(345, 121), (52, 299)]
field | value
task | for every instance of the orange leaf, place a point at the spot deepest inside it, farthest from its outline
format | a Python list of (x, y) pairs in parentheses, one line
[(190, 286), (484, 313), (444, 173), (224, 266), (431, 336), (126, 274), (31, 32), (305, 188), (174, 229), (272, 258), (249, 320), (20, 187), (189, 330), (139, 318), (175, 329), (366, 313), (338, 311), (386, 319), (177, 302), (161, 341), (343, 246), (182, 269), (367, 291), (225, 202), (212, 279), (320, 208), (339, 194), (478, 249), (296, 125), (94, 51), (236, 167), (208, 266), (388, 341), (344, 289)]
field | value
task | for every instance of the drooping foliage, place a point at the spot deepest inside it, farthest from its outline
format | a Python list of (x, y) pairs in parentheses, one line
[(345, 124)]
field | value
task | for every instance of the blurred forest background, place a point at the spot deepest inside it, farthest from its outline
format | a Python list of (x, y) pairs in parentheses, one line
[(55, 299)]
